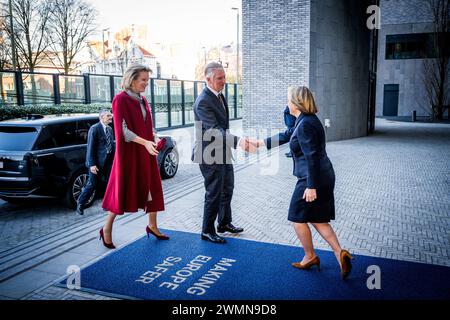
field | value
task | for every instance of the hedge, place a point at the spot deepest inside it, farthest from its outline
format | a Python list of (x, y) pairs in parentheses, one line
[(16, 111)]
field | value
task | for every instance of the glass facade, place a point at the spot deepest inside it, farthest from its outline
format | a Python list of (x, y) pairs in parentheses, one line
[(230, 99), (189, 99), (71, 89), (172, 101), (8, 89), (411, 46), (161, 103), (37, 88), (117, 85), (100, 88), (176, 106)]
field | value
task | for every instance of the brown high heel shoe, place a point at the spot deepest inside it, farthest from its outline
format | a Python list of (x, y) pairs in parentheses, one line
[(107, 245), (346, 263), (158, 236), (308, 265)]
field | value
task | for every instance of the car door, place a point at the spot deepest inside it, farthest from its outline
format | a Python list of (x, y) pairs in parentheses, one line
[(57, 153)]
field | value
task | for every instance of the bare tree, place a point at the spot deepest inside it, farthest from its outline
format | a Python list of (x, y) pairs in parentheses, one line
[(71, 22), (4, 47), (4, 58), (437, 71), (30, 18), (30, 31)]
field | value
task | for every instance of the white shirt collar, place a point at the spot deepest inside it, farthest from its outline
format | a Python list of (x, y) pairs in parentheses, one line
[(103, 125), (213, 91)]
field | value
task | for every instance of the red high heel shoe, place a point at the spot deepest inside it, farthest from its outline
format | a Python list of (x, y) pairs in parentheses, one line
[(107, 245), (158, 236)]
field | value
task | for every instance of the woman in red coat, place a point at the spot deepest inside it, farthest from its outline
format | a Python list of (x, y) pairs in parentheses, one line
[(134, 182)]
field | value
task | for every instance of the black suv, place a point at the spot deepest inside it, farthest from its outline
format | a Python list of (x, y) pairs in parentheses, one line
[(44, 157)]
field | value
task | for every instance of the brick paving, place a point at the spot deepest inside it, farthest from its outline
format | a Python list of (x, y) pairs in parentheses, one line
[(392, 199)]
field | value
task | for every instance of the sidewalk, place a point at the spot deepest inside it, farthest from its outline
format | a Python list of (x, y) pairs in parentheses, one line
[(392, 200)]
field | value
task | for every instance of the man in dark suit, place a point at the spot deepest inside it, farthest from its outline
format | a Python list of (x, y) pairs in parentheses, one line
[(212, 151), (99, 156)]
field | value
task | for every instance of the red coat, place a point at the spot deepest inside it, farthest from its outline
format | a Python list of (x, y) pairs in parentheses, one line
[(134, 171)]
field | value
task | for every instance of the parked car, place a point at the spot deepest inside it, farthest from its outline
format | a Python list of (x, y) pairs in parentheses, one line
[(44, 157)]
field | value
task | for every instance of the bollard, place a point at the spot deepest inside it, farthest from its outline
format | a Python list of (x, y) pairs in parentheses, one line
[(413, 116)]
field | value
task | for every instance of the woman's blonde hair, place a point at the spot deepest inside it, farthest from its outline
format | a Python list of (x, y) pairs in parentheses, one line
[(132, 73), (303, 99)]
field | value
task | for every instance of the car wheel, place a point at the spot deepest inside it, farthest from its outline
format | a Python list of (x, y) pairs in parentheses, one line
[(74, 188), (169, 164)]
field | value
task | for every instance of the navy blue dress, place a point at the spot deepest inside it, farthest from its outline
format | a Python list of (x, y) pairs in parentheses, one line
[(314, 170)]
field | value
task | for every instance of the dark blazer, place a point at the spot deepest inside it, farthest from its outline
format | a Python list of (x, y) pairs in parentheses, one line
[(212, 123), (308, 152), (282, 137), (96, 146)]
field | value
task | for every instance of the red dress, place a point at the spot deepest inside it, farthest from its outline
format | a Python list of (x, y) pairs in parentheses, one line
[(134, 171)]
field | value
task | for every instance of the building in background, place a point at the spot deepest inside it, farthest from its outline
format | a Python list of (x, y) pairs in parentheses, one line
[(118, 51), (224, 54), (321, 44), (405, 44), (171, 60)]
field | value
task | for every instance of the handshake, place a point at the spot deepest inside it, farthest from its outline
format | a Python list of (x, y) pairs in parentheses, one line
[(251, 145)]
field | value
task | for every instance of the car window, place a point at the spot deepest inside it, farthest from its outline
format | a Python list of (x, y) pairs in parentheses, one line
[(83, 130), (64, 134), (57, 135), (45, 139), (17, 138)]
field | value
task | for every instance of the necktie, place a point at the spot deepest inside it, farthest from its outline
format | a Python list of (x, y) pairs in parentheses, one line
[(222, 100), (108, 140)]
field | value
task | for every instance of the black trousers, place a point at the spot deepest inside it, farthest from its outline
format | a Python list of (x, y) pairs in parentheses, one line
[(94, 180), (219, 185)]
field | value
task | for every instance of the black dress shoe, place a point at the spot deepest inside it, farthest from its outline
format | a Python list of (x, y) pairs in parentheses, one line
[(213, 238), (230, 228), (80, 210)]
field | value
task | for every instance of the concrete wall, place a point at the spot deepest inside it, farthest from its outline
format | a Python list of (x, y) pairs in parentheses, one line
[(339, 65), (405, 11), (323, 44), (403, 17), (407, 73)]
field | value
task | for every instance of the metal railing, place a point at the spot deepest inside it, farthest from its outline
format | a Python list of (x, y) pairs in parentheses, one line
[(171, 100)]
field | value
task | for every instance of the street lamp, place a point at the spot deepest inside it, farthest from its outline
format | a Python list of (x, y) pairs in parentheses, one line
[(237, 43)]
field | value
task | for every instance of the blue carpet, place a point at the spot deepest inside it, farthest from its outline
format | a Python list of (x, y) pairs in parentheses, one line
[(187, 268)]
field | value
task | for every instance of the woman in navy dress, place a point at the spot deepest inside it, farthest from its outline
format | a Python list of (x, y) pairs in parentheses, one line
[(313, 198)]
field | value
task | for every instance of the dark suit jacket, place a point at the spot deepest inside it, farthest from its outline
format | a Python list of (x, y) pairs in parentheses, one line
[(308, 152), (213, 141), (282, 137), (96, 146)]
